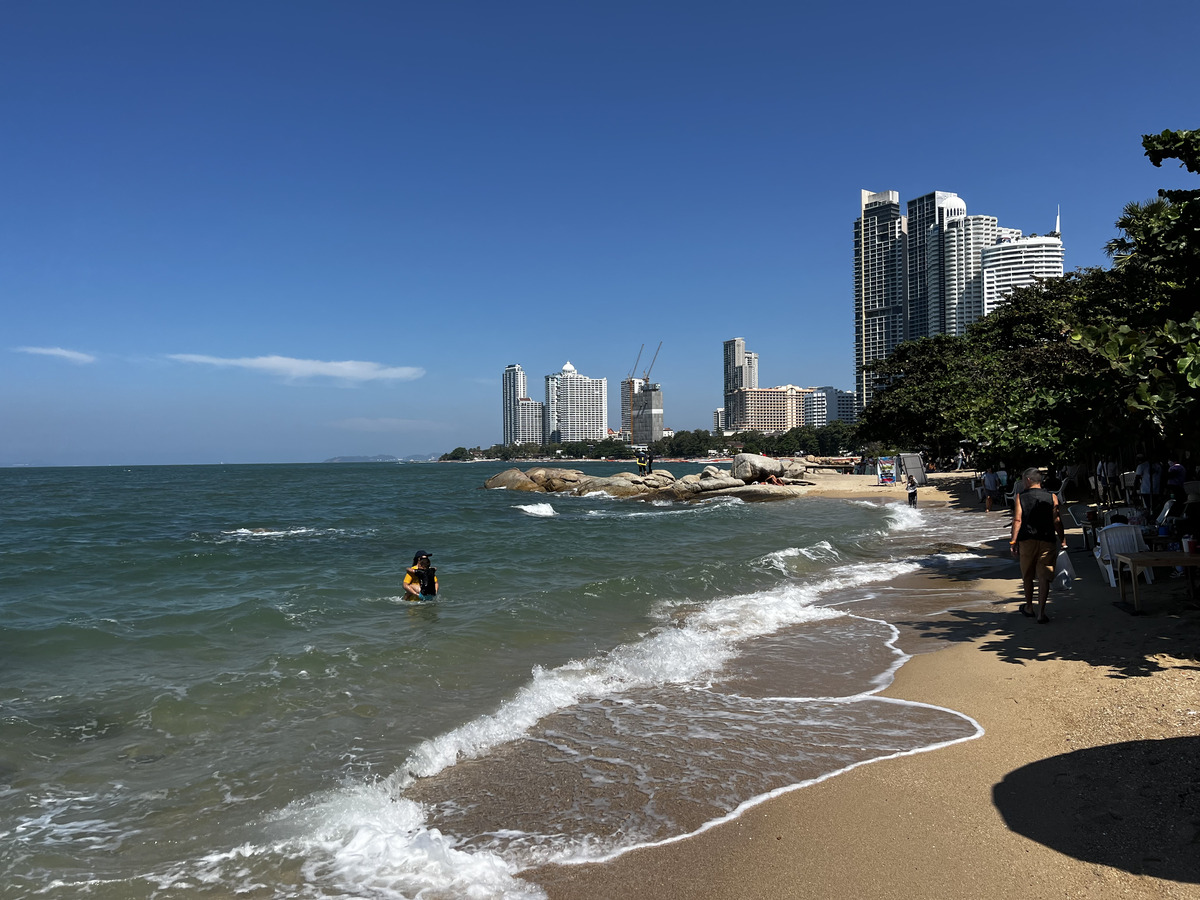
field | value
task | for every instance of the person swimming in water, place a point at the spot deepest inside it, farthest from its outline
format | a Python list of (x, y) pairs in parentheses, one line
[(420, 580)]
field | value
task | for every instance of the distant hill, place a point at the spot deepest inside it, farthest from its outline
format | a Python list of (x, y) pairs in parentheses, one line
[(357, 459), (383, 458)]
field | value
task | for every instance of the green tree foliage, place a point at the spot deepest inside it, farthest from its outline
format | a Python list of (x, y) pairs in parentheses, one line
[(1151, 340)]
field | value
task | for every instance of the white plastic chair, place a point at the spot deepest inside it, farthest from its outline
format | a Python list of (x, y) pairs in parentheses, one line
[(1127, 511), (1119, 539)]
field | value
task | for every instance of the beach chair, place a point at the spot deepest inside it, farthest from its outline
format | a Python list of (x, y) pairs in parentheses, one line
[(1128, 512), (1119, 539)]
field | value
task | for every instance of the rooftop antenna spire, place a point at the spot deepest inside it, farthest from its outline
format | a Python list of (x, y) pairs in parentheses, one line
[(1057, 218)]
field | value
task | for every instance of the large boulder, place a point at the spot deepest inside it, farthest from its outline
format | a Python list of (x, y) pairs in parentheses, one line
[(513, 480), (754, 493), (556, 480), (793, 469), (613, 486), (751, 467), (717, 484)]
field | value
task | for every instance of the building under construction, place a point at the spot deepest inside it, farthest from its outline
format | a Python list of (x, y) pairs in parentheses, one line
[(642, 405)]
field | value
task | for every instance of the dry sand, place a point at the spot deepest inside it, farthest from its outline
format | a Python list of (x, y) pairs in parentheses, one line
[(1086, 783)]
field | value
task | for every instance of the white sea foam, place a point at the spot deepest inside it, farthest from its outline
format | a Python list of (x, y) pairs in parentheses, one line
[(902, 517), (540, 510), (253, 534), (365, 841)]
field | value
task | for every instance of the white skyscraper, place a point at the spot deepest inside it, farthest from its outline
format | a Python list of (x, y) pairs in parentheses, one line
[(927, 217), (880, 284), (1017, 262), (935, 271), (512, 386), (576, 407), (963, 241), (522, 416)]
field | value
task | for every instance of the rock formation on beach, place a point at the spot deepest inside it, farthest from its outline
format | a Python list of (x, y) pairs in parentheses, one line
[(745, 479)]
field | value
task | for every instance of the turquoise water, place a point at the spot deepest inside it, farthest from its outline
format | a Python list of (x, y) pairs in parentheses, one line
[(211, 685)]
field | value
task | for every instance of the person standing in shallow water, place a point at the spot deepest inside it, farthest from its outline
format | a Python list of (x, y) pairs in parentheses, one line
[(912, 491), (1037, 534), (420, 580)]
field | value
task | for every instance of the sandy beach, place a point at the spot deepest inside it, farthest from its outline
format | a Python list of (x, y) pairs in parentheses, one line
[(1086, 783)]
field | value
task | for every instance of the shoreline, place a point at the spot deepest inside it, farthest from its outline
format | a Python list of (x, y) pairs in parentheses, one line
[(1085, 783)]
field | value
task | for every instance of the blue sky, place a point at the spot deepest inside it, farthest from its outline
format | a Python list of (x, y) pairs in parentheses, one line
[(284, 231)]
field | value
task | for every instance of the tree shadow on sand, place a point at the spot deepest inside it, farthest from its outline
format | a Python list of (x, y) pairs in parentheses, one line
[(1130, 646), (1133, 806)]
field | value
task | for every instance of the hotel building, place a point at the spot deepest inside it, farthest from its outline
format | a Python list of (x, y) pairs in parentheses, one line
[(576, 407), (1015, 262)]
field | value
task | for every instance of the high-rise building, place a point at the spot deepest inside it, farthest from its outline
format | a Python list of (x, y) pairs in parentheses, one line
[(768, 410), (629, 387), (530, 421), (963, 240), (646, 415), (719, 420), (522, 416), (934, 271), (512, 386), (576, 407), (741, 370), (823, 405), (880, 284), (1016, 262), (927, 217)]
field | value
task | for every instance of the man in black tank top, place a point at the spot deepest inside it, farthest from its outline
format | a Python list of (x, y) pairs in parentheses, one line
[(1037, 534)]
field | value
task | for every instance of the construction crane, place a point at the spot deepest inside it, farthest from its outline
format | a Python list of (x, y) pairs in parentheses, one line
[(638, 360), (646, 374)]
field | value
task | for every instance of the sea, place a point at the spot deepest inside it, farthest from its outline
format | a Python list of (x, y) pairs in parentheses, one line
[(211, 684)]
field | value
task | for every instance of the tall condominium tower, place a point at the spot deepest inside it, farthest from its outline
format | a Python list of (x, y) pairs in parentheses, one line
[(933, 272), (880, 284), (522, 416), (927, 217), (576, 407), (512, 387), (960, 273), (1016, 262), (741, 371)]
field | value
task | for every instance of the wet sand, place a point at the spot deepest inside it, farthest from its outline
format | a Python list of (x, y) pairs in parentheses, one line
[(1086, 783)]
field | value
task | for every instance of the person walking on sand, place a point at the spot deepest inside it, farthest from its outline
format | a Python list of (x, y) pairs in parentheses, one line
[(420, 580), (912, 491), (1037, 535), (991, 488)]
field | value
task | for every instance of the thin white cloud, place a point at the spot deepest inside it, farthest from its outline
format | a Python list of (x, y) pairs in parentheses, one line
[(73, 355), (387, 426), (347, 370)]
